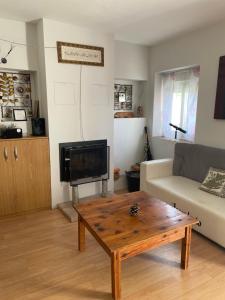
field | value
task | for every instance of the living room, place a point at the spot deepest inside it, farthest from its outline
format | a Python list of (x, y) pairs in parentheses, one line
[(141, 44)]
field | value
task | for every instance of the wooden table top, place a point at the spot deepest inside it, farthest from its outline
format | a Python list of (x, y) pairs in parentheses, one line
[(109, 221)]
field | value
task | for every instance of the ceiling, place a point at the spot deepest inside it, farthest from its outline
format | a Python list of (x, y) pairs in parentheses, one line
[(138, 21)]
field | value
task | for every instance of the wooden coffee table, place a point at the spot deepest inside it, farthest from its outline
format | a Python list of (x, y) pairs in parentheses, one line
[(123, 236)]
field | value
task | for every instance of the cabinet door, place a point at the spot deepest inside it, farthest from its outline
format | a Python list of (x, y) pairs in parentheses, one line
[(31, 171), (7, 192)]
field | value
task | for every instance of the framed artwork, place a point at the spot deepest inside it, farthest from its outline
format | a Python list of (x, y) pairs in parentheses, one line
[(219, 111), (15, 92), (19, 114), (122, 97), (7, 113), (80, 54)]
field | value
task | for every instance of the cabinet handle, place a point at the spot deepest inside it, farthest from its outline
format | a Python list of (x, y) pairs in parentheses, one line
[(6, 153), (15, 153)]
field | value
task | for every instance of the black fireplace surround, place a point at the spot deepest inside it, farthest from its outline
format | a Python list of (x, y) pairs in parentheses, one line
[(84, 162)]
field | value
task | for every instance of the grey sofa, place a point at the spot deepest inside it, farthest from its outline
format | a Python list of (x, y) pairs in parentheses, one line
[(177, 183)]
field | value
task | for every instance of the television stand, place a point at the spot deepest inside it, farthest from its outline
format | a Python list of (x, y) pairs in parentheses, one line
[(75, 191), (104, 187), (75, 194)]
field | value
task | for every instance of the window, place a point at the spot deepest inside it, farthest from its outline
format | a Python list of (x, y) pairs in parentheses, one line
[(179, 95)]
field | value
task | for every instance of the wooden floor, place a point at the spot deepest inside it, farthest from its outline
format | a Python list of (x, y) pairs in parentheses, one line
[(39, 260)]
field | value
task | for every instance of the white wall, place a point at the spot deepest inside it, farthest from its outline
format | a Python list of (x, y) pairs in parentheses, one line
[(63, 83), (41, 75), (131, 67), (58, 87), (202, 47), (128, 145), (23, 57), (131, 61), (162, 147)]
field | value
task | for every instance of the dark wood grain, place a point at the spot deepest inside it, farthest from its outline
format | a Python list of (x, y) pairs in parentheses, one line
[(116, 274), (110, 220), (186, 246), (123, 236)]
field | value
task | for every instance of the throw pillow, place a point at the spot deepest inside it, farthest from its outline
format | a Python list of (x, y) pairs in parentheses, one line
[(214, 182)]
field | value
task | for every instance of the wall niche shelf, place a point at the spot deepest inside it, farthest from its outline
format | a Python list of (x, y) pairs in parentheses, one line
[(15, 93), (129, 96)]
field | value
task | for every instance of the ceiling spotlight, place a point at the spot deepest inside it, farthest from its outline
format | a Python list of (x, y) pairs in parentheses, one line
[(3, 60)]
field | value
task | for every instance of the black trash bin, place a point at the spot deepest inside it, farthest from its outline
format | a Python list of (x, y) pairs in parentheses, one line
[(133, 181)]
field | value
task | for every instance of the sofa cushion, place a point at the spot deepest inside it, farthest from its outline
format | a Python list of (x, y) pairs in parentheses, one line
[(176, 189), (214, 182), (193, 161)]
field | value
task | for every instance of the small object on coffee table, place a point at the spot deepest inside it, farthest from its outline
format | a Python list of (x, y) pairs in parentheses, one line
[(134, 209)]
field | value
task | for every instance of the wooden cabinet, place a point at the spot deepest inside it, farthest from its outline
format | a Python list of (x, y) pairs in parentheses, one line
[(7, 195), (24, 175)]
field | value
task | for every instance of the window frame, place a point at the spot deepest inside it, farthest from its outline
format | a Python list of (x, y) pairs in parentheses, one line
[(157, 126)]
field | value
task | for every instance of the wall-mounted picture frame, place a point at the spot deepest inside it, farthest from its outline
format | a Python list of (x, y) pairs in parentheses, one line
[(123, 97), (219, 110), (7, 114), (15, 93), (19, 114), (70, 53)]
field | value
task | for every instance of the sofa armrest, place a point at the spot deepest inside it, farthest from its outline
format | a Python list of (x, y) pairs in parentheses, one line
[(156, 169)]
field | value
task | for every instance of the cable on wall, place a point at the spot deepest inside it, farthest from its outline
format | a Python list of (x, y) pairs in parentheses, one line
[(80, 107), (14, 43), (24, 44), (4, 58)]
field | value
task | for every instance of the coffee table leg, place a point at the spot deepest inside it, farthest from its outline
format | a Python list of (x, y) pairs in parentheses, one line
[(186, 245), (81, 235), (116, 275)]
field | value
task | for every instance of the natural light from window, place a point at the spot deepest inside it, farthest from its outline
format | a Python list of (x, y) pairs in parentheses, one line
[(179, 95), (176, 109)]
